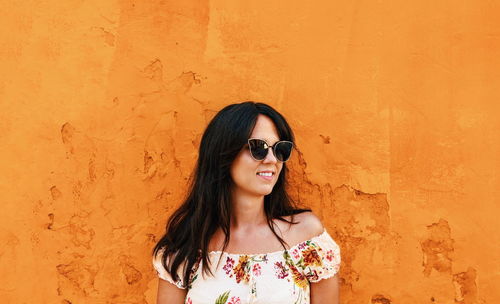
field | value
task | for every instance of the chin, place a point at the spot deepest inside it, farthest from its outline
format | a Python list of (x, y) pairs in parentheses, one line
[(266, 192)]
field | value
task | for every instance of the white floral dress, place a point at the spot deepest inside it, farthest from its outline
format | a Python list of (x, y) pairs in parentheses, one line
[(272, 278)]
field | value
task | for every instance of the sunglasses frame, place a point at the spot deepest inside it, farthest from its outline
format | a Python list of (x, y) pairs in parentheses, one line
[(272, 148)]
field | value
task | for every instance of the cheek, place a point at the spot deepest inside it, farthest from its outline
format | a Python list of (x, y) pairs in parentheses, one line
[(243, 167), (247, 166)]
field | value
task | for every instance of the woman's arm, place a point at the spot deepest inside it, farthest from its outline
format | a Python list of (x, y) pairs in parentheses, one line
[(325, 291), (168, 293)]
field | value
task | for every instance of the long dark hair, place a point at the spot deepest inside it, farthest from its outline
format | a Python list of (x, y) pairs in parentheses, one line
[(208, 203)]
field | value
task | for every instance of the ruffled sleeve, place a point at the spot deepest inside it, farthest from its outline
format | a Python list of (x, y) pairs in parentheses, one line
[(318, 258), (163, 274)]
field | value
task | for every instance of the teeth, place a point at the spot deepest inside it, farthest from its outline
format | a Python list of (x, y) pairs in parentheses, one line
[(265, 174)]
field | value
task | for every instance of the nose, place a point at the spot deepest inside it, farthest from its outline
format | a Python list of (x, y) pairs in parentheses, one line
[(270, 158)]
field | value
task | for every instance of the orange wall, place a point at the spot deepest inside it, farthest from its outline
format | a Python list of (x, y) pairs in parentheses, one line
[(395, 108)]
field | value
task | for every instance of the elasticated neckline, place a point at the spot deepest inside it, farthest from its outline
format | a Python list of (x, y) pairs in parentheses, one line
[(269, 253)]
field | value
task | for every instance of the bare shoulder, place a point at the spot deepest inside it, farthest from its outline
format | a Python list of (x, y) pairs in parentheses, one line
[(309, 226), (310, 223)]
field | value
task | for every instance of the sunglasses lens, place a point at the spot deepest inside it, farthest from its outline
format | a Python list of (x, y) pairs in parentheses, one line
[(258, 148), (283, 150)]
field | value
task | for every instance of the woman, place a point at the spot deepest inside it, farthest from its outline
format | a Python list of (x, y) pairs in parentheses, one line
[(239, 215)]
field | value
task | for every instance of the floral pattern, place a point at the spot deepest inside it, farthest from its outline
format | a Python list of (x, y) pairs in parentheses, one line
[(241, 270), (281, 270), (247, 265), (228, 268), (307, 262), (222, 299), (234, 300)]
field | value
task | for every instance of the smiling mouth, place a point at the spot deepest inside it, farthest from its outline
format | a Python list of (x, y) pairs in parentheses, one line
[(267, 174), (268, 177)]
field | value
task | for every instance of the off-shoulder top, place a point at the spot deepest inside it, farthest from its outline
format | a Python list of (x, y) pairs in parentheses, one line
[(272, 278)]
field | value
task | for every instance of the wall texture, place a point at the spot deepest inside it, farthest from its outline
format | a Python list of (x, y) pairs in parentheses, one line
[(394, 104)]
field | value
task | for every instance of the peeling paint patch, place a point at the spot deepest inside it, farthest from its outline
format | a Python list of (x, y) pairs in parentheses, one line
[(380, 299), (132, 275), (326, 139), (437, 248), (465, 287), (80, 275), (56, 194), (67, 133), (51, 219), (81, 235), (154, 70)]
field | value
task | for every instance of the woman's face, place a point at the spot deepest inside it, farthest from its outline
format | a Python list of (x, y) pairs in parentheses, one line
[(244, 169)]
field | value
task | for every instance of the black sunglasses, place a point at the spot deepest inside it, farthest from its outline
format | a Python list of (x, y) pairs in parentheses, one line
[(259, 147)]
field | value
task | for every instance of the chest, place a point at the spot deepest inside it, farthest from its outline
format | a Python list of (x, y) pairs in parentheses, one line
[(255, 242), (242, 279), (247, 244)]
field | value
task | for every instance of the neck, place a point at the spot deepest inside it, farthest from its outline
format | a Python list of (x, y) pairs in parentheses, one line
[(247, 212)]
